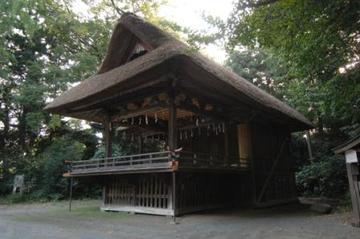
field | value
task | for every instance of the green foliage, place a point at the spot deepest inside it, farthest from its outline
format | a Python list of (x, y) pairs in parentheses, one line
[(261, 68), (306, 53), (325, 177), (317, 40), (117, 150), (46, 48), (326, 174), (53, 184)]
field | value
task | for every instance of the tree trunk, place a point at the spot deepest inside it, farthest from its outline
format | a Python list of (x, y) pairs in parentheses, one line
[(22, 129)]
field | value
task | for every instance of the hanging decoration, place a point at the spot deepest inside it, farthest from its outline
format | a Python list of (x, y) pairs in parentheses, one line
[(146, 119)]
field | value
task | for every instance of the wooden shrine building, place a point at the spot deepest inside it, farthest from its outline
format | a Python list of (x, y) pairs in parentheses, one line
[(221, 140)]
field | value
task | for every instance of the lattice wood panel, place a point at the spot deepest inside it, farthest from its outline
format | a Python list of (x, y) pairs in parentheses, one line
[(138, 191), (153, 191)]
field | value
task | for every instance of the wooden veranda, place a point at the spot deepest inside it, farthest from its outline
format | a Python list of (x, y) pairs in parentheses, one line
[(164, 161)]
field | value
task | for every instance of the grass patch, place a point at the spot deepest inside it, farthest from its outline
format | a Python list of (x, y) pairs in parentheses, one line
[(81, 210), (94, 212), (17, 198)]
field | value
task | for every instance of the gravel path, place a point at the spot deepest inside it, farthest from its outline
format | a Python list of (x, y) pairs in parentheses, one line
[(53, 221)]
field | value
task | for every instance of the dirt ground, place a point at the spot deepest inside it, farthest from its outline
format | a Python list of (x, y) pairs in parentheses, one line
[(52, 220)]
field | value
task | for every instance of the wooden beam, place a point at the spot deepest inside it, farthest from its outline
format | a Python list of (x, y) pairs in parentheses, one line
[(122, 95), (138, 112), (202, 112)]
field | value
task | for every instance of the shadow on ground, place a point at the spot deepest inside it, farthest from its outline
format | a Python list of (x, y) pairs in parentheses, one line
[(86, 221)]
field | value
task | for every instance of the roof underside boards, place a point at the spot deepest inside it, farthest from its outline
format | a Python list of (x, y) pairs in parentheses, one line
[(166, 56)]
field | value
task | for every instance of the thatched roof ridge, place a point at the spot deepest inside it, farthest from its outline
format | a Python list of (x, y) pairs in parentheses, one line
[(102, 82), (164, 47), (147, 32)]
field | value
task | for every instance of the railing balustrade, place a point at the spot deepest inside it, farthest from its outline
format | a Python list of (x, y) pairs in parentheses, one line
[(159, 159)]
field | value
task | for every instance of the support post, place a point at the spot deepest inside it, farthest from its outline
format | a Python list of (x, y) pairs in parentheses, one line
[(226, 145), (172, 141), (174, 196), (308, 143), (108, 136), (70, 193), (172, 127), (353, 173)]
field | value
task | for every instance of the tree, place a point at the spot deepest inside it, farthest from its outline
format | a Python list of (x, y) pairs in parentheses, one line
[(317, 46), (319, 41), (261, 68), (46, 49)]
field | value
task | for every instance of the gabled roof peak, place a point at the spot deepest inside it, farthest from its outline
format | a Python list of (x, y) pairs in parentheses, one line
[(117, 73)]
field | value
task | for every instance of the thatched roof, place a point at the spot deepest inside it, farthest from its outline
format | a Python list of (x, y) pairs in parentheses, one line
[(165, 53)]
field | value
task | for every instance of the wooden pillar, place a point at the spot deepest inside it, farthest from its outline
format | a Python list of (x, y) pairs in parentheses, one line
[(172, 127), (308, 143), (172, 141), (174, 196), (226, 144), (108, 136), (71, 192), (353, 173)]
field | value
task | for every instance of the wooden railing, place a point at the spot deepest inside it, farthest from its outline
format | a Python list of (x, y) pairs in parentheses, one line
[(196, 159), (155, 160), (128, 161)]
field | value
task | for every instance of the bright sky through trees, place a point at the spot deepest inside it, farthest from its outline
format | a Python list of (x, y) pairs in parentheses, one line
[(188, 13)]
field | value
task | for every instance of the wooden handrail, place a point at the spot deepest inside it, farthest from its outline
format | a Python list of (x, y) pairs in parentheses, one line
[(185, 158)]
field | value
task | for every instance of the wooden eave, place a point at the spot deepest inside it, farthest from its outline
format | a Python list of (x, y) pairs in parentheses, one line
[(353, 143)]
